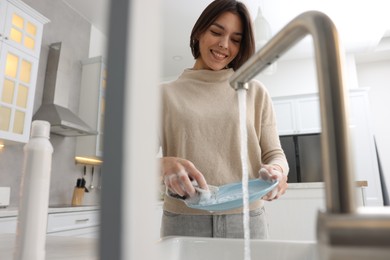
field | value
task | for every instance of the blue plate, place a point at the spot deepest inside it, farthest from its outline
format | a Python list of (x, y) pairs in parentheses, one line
[(230, 196)]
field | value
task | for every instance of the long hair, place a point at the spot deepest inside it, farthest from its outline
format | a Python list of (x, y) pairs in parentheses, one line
[(208, 17)]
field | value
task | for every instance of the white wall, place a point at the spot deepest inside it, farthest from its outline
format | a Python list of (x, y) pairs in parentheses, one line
[(295, 77), (292, 77), (375, 75)]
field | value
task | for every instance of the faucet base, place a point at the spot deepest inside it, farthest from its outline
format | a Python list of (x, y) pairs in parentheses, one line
[(352, 253), (365, 234)]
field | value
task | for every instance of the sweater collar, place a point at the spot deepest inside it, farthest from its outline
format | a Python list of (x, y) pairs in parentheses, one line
[(207, 75)]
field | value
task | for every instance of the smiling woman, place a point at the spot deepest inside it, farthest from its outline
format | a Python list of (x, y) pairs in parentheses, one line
[(200, 132)]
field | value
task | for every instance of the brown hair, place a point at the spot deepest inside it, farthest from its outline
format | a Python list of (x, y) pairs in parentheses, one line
[(208, 17)]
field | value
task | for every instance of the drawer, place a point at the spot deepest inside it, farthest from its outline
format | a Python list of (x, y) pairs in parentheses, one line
[(92, 232), (8, 225), (58, 222)]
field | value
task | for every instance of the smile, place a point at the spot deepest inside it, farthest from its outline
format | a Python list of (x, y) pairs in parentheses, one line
[(218, 55)]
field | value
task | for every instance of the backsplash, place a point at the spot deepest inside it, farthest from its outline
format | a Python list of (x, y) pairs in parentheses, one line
[(73, 30)]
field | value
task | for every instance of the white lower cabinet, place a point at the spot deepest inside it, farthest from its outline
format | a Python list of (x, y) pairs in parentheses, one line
[(294, 215), (8, 225), (69, 223), (79, 224)]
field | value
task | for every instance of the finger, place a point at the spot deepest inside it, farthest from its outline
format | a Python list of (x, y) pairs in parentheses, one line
[(264, 174), (195, 174), (174, 184), (186, 184), (274, 193), (276, 175)]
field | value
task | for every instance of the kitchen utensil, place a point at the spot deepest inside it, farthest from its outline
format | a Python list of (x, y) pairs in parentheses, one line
[(91, 187), (100, 179), (83, 181), (78, 192)]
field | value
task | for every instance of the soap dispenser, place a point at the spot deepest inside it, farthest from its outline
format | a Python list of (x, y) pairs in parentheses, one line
[(34, 194)]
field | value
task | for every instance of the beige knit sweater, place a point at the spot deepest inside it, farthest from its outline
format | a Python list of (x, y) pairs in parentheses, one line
[(200, 122)]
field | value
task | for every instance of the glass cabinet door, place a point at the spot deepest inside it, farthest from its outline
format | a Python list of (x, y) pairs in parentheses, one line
[(18, 75), (22, 31)]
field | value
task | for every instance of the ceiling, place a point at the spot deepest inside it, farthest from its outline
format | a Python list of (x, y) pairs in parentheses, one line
[(361, 25)]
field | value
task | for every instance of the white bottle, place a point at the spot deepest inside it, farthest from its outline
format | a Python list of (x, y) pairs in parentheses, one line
[(34, 194)]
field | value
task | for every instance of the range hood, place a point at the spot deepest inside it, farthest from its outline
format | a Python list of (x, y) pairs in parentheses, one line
[(55, 97)]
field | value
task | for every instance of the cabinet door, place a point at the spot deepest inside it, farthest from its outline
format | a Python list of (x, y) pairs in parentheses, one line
[(92, 106), (285, 116), (22, 31), (300, 115), (17, 89), (308, 115)]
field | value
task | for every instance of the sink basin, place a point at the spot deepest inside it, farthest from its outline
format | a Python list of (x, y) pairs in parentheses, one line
[(192, 248)]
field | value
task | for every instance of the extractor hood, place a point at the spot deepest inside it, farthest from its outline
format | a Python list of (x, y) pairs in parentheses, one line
[(55, 97)]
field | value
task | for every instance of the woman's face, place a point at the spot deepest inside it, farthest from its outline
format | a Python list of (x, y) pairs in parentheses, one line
[(220, 43)]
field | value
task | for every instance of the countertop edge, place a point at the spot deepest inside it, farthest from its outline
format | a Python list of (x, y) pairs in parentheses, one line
[(316, 185)]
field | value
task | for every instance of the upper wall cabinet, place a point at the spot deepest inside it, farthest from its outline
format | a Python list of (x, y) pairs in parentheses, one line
[(92, 106), (20, 44), (21, 27), (297, 115)]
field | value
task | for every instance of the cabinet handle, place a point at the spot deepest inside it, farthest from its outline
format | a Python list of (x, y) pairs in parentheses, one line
[(82, 220)]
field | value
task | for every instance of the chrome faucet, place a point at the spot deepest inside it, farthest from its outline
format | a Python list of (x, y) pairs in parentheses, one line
[(342, 224)]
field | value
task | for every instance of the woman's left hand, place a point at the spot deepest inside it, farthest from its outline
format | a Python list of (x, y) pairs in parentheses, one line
[(274, 173)]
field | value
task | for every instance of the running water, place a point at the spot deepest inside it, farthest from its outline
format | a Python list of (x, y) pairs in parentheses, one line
[(244, 162)]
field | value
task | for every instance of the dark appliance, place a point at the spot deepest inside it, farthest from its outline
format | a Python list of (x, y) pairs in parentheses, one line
[(303, 154)]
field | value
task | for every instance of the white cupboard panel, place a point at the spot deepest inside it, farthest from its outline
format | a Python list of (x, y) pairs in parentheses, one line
[(308, 115), (8, 225), (58, 222), (285, 116)]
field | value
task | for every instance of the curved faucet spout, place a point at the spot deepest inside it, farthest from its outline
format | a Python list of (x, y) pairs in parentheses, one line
[(342, 224), (337, 167)]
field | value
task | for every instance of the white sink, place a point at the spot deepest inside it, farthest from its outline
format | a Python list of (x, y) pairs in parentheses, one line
[(192, 248)]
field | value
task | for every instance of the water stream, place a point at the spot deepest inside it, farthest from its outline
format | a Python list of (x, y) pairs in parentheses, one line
[(244, 162)]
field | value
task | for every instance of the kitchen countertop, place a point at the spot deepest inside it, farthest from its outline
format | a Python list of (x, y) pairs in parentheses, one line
[(57, 247), (13, 211)]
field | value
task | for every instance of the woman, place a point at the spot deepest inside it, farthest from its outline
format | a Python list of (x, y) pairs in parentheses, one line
[(200, 128)]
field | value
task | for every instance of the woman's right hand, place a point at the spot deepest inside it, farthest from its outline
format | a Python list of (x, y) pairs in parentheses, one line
[(177, 174)]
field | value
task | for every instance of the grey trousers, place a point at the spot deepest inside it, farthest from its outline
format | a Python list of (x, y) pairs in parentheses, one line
[(222, 226)]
